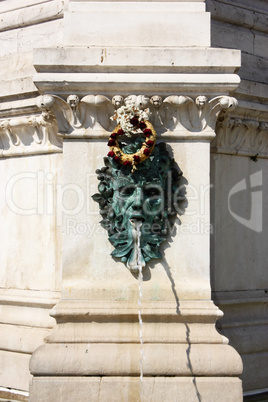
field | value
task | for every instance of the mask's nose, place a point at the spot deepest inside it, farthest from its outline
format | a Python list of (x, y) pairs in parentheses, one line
[(138, 199)]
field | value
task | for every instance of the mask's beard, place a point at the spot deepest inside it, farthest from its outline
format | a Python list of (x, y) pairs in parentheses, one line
[(127, 243), (136, 243)]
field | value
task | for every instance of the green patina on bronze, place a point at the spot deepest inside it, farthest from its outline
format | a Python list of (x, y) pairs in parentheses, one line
[(149, 195)]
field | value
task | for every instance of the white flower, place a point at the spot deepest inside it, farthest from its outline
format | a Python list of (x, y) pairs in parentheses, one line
[(124, 114)]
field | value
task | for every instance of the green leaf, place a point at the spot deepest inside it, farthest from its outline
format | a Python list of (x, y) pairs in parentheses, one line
[(97, 197)]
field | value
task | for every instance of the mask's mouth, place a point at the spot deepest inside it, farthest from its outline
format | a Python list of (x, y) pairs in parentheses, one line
[(137, 217)]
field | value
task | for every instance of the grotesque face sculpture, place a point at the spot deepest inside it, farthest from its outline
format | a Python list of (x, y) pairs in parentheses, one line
[(201, 101), (73, 100), (137, 207), (156, 100), (117, 101)]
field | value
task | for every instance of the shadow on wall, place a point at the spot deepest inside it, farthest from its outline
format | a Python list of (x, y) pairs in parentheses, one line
[(187, 329)]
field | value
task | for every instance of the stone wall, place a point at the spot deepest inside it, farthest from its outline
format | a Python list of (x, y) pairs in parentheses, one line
[(242, 25), (239, 155), (24, 25), (30, 166)]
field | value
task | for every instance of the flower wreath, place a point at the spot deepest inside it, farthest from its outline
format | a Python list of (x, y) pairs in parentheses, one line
[(133, 121)]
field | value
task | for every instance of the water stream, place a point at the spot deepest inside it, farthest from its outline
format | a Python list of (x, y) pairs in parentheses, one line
[(139, 264)]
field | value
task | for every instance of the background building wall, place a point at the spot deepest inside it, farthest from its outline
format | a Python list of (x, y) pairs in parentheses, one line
[(30, 258), (239, 259)]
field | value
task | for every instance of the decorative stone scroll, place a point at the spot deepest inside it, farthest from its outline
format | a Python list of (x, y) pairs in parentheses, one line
[(182, 113), (35, 134), (245, 137), (175, 116), (171, 116)]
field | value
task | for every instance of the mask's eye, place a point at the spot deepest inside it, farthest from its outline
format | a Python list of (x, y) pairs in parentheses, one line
[(126, 191), (152, 192)]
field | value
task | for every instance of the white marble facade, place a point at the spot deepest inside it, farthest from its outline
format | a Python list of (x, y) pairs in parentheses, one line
[(62, 64)]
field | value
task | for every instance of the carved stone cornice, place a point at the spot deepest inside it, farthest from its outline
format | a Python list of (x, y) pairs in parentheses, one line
[(174, 117), (35, 134), (165, 70), (245, 137)]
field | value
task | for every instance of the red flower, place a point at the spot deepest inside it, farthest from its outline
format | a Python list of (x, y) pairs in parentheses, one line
[(147, 151), (134, 121), (120, 131), (127, 163), (150, 143), (111, 154), (136, 158), (142, 125), (113, 135), (116, 158), (111, 143), (147, 132)]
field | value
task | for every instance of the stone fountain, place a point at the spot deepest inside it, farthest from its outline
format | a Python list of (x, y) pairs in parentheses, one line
[(144, 214)]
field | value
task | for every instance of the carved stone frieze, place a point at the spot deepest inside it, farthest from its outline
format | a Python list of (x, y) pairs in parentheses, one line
[(238, 136), (35, 134), (172, 116)]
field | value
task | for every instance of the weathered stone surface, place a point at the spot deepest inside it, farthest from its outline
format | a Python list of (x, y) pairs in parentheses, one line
[(259, 45), (122, 359), (171, 72), (33, 14), (240, 15), (27, 232), (243, 41), (233, 225), (16, 370), (176, 59), (127, 388), (189, 28), (245, 324), (22, 339)]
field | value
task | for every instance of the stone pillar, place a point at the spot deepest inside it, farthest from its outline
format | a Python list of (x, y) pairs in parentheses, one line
[(94, 351)]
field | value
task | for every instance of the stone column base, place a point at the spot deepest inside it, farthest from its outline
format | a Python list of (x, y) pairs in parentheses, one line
[(128, 389), (94, 352)]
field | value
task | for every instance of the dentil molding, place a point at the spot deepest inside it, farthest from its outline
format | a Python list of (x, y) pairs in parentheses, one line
[(174, 117)]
